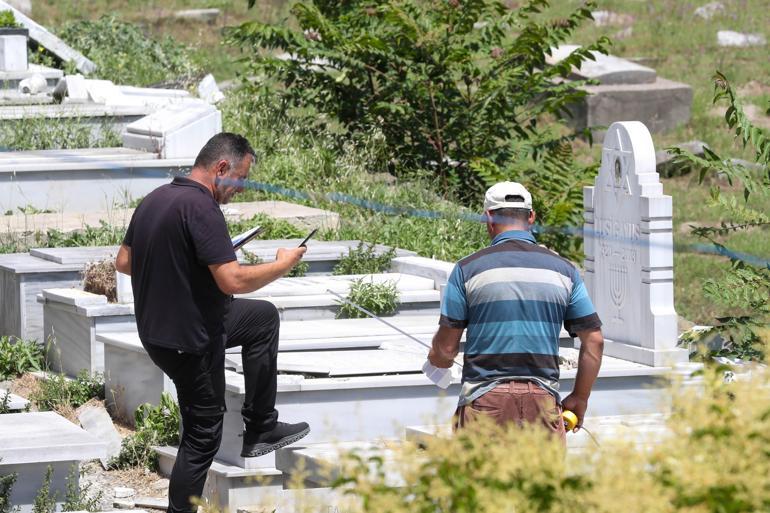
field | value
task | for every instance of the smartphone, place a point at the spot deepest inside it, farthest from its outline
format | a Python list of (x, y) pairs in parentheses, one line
[(239, 240), (304, 242)]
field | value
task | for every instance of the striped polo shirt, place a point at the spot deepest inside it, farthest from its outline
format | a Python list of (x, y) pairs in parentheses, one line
[(513, 298)]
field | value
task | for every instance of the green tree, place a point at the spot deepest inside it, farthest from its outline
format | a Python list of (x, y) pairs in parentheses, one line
[(460, 88), (745, 289)]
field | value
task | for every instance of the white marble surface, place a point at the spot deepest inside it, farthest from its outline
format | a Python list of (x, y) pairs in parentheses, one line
[(606, 69), (15, 402), (45, 436), (74, 297), (629, 249), (80, 255), (351, 362), (318, 285)]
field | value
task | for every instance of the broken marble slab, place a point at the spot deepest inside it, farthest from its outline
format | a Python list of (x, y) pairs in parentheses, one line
[(15, 403), (50, 42), (605, 69)]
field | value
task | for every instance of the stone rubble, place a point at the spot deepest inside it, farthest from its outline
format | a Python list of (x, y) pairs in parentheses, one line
[(709, 10), (609, 18), (729, 38)]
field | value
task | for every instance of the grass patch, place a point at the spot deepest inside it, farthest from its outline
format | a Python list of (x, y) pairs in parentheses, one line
[(693, 207), (40, 133), (378, 298)]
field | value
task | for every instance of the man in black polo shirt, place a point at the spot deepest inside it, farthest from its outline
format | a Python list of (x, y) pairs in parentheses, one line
[(183, 270)]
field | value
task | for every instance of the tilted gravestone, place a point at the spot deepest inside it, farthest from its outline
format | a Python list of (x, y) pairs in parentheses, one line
[(629, 250)]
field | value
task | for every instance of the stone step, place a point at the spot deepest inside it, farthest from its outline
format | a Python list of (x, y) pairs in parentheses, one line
[(30, 442)]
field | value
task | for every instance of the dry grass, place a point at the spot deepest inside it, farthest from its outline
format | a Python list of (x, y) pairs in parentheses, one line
[(99, 278), (25, 385)]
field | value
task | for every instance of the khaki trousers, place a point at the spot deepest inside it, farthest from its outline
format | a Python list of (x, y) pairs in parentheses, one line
[(515, 401)]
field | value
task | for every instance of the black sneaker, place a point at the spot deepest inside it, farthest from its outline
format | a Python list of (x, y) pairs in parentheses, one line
[(283, 434)]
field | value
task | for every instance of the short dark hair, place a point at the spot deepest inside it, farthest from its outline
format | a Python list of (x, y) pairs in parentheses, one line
[(510, 215), (224, 145)]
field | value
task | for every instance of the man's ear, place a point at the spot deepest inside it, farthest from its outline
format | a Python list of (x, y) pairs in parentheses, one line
[(222, 167), (532, 217)]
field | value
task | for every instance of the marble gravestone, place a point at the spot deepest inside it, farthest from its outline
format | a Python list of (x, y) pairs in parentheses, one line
[(629, 250)]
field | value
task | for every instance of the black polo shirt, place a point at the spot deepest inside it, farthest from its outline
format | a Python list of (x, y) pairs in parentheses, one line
[(176, 232)]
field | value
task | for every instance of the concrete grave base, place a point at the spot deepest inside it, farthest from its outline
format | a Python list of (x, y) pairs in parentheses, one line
[(71, 320), (30, 442), (662, 105), (130, 376), (259, 490)]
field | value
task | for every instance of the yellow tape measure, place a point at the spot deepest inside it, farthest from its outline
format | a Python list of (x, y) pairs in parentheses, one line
[(570, 420)]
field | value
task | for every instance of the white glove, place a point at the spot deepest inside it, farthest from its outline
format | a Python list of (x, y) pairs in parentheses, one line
[(442, 378)]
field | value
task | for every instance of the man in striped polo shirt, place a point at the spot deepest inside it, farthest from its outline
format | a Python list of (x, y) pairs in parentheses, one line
[(513, 298)]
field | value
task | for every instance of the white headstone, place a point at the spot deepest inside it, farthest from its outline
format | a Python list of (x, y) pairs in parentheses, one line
[(13, 49), (629, 253)]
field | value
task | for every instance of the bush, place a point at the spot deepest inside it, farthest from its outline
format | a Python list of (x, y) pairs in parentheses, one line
[(458, 88), (58, 393), (155, 426), (8, 20), (714, 460), (745, 289), (364, 260), (378, 298), (124, 54), (6, 486), (45, 502), (19, 356), (77, 497)]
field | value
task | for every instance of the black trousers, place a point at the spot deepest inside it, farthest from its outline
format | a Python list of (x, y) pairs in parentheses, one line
[(200, 386)]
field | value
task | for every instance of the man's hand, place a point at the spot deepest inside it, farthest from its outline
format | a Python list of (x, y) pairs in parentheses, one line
[(288, 258), (438, 361), (234, 278), (576, 405)]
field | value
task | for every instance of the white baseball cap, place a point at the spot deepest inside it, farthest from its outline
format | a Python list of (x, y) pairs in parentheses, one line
[(507, 195)]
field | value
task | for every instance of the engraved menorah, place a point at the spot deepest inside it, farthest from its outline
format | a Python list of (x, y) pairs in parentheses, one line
[(618, 286)]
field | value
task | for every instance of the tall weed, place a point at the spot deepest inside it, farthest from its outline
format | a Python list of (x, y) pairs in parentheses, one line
[(19, 356)]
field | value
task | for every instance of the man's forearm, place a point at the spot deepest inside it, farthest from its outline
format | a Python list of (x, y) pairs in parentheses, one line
[(589, 363), (249, 278)]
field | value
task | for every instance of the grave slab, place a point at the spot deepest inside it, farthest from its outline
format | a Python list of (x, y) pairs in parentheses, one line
[(661, 106), (605, 69), (30, 442), (81, 181), (176, 131), (71, 320), (22, 278), (130, 376), (629, 250)]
